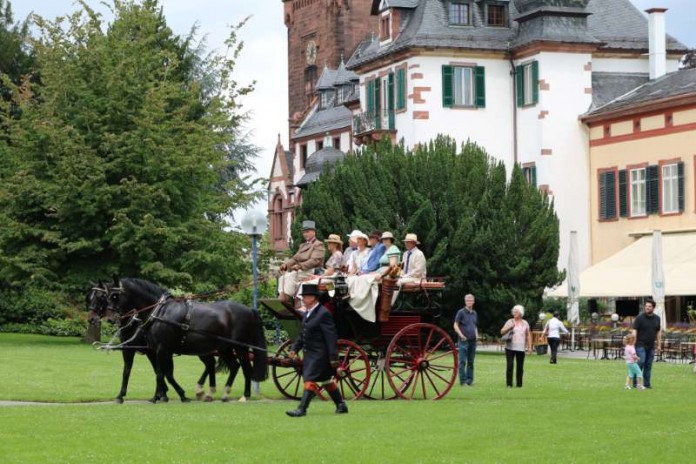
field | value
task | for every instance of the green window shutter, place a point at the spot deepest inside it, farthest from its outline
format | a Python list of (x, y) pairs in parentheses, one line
[(535, 82), (652, 189), (623, 193), (680, 188), (371, 96), (390, 100), (607, 195), (519, 80), (447, 84), (480, 87), (534, 176), (378, 103), (400, 89)]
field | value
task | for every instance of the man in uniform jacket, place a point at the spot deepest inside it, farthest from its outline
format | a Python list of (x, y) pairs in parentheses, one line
[(309, 256), (319, 341)]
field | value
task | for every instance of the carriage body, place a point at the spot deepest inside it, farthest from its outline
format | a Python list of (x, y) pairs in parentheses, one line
[(404, 353)]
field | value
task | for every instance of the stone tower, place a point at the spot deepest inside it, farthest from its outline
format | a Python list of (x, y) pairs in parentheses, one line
[(321, 32)]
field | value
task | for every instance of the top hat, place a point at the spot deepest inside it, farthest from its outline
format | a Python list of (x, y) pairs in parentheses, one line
[(309, 225), (310, 289)]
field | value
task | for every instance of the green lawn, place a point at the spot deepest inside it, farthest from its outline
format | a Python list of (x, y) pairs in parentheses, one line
[(575, 411)]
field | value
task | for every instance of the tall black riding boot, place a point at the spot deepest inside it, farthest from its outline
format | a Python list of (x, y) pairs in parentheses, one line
[(341, 407), (304, 404)]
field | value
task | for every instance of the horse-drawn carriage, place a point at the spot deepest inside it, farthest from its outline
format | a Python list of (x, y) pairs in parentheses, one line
[(403, 354)]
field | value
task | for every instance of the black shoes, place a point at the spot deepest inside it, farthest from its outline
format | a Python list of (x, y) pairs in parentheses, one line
[(341, 408), (304, 404)]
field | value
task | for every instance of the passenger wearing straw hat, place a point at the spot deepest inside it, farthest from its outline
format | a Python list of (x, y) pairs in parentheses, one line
[(413, 261), (309, 256), (333, 264), (359, 255)]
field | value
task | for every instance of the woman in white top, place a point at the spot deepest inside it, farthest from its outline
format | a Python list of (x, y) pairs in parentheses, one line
[(552, 330), (515, 347)]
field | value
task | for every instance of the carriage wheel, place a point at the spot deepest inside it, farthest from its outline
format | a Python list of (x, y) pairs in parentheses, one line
[(379, 388), (353, 373), (421, 362), (287, 373)]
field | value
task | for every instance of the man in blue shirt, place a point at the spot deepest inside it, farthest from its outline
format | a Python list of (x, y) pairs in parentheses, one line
[(371, 264), (465, 324)]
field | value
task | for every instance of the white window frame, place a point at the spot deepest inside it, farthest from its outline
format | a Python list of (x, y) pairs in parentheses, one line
[(638, 184), (460, 91), (528, 80), (461, 4), (670, 188)]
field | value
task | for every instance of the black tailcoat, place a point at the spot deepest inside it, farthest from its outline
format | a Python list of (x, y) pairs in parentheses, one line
[(319, 340)]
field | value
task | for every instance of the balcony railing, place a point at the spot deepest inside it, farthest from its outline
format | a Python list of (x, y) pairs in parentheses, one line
[(370, 121)]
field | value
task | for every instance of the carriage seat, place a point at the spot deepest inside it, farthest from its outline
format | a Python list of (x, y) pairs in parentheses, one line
[(413, 287)]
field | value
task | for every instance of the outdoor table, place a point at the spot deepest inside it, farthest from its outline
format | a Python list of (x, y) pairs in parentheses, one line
[(599, 342)]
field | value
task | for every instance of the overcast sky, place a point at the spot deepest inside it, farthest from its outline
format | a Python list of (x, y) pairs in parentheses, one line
[(264, 58)]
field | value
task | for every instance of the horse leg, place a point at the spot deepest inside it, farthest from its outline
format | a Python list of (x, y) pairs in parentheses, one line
[(160, 384), (165, 364), (209, 361), (243, 358), (233, 366), (128, 356)]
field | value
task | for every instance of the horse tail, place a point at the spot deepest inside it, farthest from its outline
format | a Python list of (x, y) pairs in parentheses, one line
[(260, 372), (222, 365)]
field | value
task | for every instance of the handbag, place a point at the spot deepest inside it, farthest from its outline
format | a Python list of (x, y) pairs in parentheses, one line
[(507, 336)]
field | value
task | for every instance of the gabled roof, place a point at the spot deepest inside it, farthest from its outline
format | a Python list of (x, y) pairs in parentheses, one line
[(609, 24), (327, 79), (344, 76), (327, 156), (675, 86)]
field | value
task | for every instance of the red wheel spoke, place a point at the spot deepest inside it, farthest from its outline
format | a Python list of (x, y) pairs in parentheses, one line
[(438, 376), (290, 381), (399, 373), (432, 383), (430, 336), (415, 385), (442, 340), (435, 358), (280, 376)]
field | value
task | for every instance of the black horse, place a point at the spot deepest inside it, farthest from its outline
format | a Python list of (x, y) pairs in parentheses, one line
[(97, 307), (132, 338), (225, 328)]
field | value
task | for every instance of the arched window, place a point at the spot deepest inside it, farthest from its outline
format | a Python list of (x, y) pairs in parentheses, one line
[(278, 222)]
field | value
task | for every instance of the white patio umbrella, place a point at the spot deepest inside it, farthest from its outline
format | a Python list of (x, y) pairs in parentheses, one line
[(573, 286), (658, 278)]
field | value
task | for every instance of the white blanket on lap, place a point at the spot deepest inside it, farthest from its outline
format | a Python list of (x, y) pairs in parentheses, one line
[(363, 292)]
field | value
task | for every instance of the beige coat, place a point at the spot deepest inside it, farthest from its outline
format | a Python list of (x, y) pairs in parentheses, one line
[(309, 256), (416, 265)]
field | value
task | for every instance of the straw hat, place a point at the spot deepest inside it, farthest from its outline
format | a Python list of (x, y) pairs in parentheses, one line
[(412, 238), (388, 235), (334, 238), (356, 234)]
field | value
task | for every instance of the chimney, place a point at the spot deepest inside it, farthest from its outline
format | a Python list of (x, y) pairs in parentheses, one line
[(658, 42)]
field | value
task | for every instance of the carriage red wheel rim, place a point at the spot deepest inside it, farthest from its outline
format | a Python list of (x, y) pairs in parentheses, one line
[(353, 373), (421, 362), (288, 380)]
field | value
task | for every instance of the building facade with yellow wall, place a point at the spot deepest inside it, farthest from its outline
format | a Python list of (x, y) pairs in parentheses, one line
[(643, 163)]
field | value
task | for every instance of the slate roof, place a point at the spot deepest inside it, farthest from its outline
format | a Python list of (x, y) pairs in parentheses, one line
[(344, 76), (326, 120), (289, 164), (327, 79), (607, 86), (316, 162), (676, 84), (613, 24)]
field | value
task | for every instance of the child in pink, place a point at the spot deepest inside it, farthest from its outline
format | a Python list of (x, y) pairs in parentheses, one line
[(632, 362)]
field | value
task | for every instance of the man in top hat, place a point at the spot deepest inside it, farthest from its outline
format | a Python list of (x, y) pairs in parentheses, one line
[(319, 340), (300, 266), (413, 261)]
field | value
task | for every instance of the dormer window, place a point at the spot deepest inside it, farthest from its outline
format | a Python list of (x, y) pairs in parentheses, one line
[(460, 14), (325, 99), (385, 27), (339, 96), (496, 14)]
